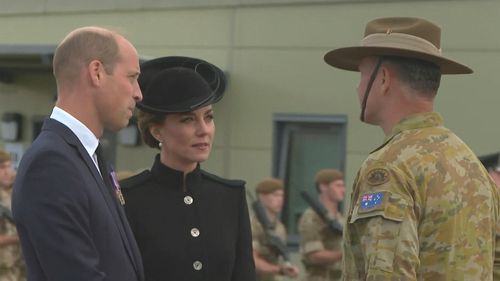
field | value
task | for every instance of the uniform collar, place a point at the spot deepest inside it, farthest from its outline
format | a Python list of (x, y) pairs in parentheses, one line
[(172, 178), (414, 121)]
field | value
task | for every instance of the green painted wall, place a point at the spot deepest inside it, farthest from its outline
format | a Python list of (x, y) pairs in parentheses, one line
[(273, 53)]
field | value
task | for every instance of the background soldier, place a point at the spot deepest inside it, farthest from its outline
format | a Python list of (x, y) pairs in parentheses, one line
[(11, 262), (319, 244), (268, 258)]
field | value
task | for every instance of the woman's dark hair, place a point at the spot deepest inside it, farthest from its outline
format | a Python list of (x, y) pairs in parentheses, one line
[(145, 120)]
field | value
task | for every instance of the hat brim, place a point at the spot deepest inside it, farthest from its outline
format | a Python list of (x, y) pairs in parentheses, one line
[(349, 58), (186, 106), (213, 75)]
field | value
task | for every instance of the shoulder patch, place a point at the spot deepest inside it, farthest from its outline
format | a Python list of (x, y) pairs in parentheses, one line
[(136, 180), (377, 176), (370, 201), (232, 183)]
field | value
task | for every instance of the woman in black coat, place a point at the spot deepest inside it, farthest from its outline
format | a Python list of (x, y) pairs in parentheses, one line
[(189, 224)]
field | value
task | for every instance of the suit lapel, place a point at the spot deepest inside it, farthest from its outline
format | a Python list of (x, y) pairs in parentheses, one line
[(118, 211), (115, 209)]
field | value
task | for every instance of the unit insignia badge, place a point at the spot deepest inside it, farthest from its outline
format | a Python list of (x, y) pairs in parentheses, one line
[(378, 176)]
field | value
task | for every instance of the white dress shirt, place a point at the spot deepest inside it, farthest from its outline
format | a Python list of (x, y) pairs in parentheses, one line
[(86, 137)]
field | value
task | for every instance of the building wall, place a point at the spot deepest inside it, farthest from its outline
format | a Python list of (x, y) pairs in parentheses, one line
[(273, 52)]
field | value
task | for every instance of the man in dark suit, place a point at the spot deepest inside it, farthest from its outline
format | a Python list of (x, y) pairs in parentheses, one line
[(70, 222)]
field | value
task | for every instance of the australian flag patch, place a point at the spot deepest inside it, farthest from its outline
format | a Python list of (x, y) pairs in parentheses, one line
[(371, 200)]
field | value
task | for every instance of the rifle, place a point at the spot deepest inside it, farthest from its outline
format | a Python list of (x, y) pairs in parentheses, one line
[(274, 241), (322, 212), (6, 213)]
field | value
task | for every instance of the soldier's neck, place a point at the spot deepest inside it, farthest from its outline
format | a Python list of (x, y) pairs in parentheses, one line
[(331, 206), (273, 217)]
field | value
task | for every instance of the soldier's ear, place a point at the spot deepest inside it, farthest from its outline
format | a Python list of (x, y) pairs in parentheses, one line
[(387, 73), (321, 187)]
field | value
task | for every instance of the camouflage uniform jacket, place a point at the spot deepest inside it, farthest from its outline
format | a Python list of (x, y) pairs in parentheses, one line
[(422, 208), (11, 262), (264, 249), (316, 236)]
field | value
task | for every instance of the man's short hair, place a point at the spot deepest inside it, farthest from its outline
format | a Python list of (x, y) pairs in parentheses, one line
[(420, 75), (4, 156), (82, 46)]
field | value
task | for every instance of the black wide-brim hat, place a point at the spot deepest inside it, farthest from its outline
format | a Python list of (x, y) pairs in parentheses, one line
[(179, 84)]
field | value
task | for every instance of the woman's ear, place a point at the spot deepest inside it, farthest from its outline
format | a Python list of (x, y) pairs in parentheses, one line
[(154, 130)]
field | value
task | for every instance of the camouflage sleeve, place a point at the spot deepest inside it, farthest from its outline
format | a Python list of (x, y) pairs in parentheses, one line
[(257, 234), (310, 236), (496, 261), (382, 226)]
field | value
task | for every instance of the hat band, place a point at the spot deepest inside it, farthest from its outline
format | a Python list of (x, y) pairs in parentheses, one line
[(400, 41)]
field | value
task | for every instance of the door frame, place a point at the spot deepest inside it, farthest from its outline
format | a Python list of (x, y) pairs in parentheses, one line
[(282, 122)]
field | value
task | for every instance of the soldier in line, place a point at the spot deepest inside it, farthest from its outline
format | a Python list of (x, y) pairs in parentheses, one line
[(423, 207), (269, 262), (320, 245), (11, 261), (492, 164)]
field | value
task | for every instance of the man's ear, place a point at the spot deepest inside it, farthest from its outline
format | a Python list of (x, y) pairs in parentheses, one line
[(95, 70), (321, 187), (386, 78)]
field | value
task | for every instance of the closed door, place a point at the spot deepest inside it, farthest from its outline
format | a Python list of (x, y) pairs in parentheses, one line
[(301, 149)]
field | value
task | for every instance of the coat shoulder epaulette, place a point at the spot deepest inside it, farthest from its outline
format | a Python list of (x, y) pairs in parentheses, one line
[(136, 180), (228, 182)]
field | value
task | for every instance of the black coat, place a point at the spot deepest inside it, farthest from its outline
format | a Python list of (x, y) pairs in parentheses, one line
[(208, 239)]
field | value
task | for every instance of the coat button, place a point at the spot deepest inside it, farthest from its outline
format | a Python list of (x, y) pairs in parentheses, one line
[(197, 265), (195, 232), (188, 200)]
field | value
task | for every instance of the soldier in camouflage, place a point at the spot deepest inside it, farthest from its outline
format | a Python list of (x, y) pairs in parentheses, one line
[(422, 207), (11, 262), (269, 264), (320, 246)]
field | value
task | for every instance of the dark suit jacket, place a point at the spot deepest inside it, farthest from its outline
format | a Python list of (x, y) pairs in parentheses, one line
[(69, 222)]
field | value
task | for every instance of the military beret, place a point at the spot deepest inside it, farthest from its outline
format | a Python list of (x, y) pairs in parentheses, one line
[(327, 176), (491, 161), (179, 84), (269, 185)]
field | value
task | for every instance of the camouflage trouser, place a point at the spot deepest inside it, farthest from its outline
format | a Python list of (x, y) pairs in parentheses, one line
[(323, 275), (11, 274), (269, 277)]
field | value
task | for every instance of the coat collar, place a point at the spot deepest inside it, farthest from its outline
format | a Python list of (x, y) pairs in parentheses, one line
[(171, 178)]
